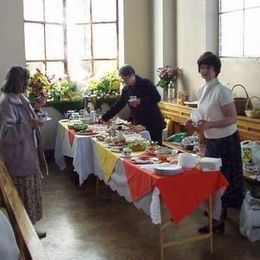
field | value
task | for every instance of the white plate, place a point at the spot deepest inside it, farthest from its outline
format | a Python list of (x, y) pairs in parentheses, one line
[(45, 119), (124, 156), (64, 120), (115, 150), (168, 169)]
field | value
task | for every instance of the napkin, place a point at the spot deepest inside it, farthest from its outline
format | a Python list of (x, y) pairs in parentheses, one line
[(195, 115)]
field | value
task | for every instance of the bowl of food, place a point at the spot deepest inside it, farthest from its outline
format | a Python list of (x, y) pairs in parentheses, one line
[(80, 126), (164, 153)]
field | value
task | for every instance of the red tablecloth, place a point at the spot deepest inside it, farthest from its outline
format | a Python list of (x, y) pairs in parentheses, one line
[(181, 193)]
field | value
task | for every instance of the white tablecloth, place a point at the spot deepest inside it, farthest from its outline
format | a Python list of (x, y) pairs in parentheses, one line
[(86, 162), (81, 151)]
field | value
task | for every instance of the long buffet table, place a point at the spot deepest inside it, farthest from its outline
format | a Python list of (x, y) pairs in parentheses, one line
[(139, 184)]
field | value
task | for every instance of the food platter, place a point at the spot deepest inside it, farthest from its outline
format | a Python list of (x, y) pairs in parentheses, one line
[(138, 160)]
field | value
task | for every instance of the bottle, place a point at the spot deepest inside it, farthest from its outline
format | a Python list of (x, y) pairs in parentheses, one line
[(171, 92), (120, 134)]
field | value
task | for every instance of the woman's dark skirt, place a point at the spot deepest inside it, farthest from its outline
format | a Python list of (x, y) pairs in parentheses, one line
[(228, 149), (29, 189)]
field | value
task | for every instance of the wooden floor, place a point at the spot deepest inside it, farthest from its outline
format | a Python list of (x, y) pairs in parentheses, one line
[(81, 226)]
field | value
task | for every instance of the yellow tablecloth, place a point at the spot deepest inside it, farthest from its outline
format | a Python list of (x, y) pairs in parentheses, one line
[(107, 160)]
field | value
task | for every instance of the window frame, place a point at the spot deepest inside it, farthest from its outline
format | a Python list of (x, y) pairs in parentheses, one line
[(243, 9), (65, 25)]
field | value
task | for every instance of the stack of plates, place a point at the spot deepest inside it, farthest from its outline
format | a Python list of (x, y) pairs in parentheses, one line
[(168, 169)]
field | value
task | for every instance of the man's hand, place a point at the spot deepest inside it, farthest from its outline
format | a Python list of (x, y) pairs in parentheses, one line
[(134, 103)]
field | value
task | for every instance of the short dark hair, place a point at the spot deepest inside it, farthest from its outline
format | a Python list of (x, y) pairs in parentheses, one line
[(126, 70), (209, 58), (16, 80)]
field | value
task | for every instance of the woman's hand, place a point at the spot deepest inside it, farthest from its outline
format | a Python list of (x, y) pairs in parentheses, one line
[(34, 123), (203, 124), (188, 123)]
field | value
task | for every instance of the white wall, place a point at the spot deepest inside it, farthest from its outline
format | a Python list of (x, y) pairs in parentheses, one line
[(138, 36), (156, 33), (12, 35), (197, 32)]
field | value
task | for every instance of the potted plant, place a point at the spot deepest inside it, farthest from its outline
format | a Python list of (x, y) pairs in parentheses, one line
[(65, 95), (105, 89)]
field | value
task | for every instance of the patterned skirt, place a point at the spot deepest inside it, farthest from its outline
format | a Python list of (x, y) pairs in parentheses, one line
[(29, 189), (228, 149)]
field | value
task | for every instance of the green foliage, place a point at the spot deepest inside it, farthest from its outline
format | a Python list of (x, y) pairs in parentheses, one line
[(107, 85), (43, 88), (64, 89)]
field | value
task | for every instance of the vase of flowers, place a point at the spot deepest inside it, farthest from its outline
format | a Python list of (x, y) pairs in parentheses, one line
[(167, 79), (63, 93)]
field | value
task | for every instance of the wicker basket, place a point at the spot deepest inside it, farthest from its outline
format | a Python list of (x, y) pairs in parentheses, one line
[(255, 113), (240, 102)]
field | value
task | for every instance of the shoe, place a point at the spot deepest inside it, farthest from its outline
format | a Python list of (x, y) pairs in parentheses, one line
[(224, 213), (217, 228), (41, 234)]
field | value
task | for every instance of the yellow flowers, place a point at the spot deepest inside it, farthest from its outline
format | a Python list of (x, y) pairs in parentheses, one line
[(109, 84)]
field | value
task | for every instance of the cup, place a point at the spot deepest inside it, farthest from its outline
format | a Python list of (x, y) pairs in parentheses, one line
[(92, 117), (42, 116), (127, 152), (132, 98)]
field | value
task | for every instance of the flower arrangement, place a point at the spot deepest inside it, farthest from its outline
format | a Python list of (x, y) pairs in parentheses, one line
[(107, 85), (64, 89), (43, 88), (167, 74), (38, 88)]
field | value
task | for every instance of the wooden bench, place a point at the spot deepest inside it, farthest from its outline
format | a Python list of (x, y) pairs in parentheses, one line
[(28, 242)]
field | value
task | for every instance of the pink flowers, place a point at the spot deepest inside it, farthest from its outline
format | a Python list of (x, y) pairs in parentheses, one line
[(166, 75)]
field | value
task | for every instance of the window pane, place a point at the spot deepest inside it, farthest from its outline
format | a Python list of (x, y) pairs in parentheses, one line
[(252, 32), (78, 11), (228, 5), (53, 11), (34, 41), (55, 68), (36, 6), (104, 41), (79, 42), (231, 34), (101, 67), (104, 10), (252, 3), (54, 42), (80, 70), (32, 66)]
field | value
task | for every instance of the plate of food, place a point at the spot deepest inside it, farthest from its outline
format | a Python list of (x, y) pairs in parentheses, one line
[(141, 160), (87, 132)]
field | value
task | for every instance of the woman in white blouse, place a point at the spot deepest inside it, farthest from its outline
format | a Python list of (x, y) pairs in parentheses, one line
[(217, 108)]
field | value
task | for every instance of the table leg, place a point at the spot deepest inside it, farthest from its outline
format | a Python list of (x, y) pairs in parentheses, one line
[(210, 225), (97, 186), (161, 243)]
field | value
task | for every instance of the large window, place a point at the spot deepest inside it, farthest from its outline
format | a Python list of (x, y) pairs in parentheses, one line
[(74, 37), (239, 30)]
